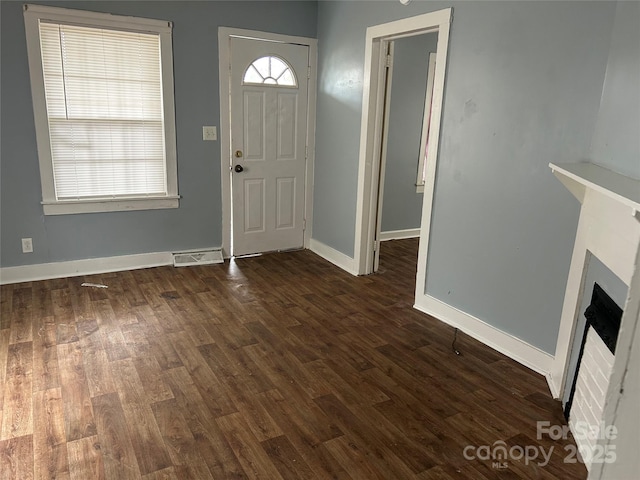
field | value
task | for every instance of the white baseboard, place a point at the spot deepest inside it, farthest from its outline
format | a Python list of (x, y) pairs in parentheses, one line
[(339, 259), (554, 387), (519, 350), (89, 266), (399, 234)]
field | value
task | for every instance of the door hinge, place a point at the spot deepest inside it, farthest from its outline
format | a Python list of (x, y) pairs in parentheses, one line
[(304, 224), (389, 61), (309, 71), (375, 245), (306, 152)]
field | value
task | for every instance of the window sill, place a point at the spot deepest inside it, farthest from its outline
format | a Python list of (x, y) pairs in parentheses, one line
[(69, 207)]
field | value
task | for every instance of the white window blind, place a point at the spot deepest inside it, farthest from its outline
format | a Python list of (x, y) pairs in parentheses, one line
[(104, 102)]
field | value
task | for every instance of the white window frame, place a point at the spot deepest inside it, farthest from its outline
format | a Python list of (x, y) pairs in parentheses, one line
[(263, 84), (51, 205), (426, 122)]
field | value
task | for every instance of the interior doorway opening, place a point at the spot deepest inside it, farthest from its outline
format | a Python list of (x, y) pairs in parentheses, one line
[(410, 67), (373, 120)]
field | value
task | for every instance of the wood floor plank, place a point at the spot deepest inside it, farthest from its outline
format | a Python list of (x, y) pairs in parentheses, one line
[(151, 376), (144, 433), (85, 459), (283, 368), (46, 373), (209, 439), (95, 359), (17, 407), (254, 460), (195, 319), (286, 458), (61, 304), (55, 466), (41, 300), (21, 316), (4, 355), (131, 290), (305, 414), (135, 336), (78, 412), (275, 366), (16, 458), (180, 442), (165, 353), (241, 394), (386, 460), (205, 379), (6, 305), (165, 474), (241, 371), (81, 299), (348, 454), (118, 455), (49, 438), (113, 340)]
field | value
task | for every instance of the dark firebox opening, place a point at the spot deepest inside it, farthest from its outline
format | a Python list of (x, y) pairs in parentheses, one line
[(604, 315)]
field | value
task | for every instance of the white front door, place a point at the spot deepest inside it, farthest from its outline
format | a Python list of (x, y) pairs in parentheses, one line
[(269, 90)]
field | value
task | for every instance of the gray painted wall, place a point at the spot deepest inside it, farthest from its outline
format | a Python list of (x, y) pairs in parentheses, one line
[(523, 87), (402, 206), (198, 221), (616, 140)]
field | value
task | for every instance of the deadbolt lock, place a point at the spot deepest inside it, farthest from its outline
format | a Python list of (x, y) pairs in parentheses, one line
[(238, 153)]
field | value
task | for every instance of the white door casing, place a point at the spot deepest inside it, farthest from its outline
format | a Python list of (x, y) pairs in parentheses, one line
[(371, 132), (268, 141)]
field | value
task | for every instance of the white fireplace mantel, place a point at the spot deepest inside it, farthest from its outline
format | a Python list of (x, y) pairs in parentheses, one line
[(578, 177), (609, 228)]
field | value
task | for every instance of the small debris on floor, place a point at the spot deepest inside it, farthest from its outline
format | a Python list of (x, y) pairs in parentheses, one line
[(94, 285)]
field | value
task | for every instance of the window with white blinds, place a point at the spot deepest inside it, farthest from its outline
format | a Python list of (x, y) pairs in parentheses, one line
[(109, 142)]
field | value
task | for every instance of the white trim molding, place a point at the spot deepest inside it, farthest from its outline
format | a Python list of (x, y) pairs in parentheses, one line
[(426, 121), (89, 266), (332, 255), (399, 234), (110, 205), (51, 204), (513, 347), (224, 65)]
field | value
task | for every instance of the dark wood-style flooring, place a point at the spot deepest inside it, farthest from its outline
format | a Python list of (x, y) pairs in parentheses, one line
[(279, 366)]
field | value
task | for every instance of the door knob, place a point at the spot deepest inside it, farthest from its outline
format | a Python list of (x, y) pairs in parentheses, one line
[(238, 168)]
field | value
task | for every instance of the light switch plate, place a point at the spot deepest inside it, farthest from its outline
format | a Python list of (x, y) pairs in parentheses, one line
[(209, 133)]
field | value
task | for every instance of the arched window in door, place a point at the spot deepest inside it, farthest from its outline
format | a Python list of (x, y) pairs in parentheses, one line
[(270, 70)]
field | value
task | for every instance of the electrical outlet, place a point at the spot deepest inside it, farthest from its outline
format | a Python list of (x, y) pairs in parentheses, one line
[(209, 133), (27, 245)]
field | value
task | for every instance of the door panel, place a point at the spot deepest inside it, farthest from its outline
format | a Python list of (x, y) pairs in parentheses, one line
[(286, 203), (287, 123), (254, 124), (268, 138), (255, 205)]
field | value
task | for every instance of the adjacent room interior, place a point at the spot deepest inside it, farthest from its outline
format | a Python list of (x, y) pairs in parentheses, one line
[(319, 239)]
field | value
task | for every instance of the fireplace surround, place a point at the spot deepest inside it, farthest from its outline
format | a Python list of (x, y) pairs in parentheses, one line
[(609, 229), (603, 317)]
